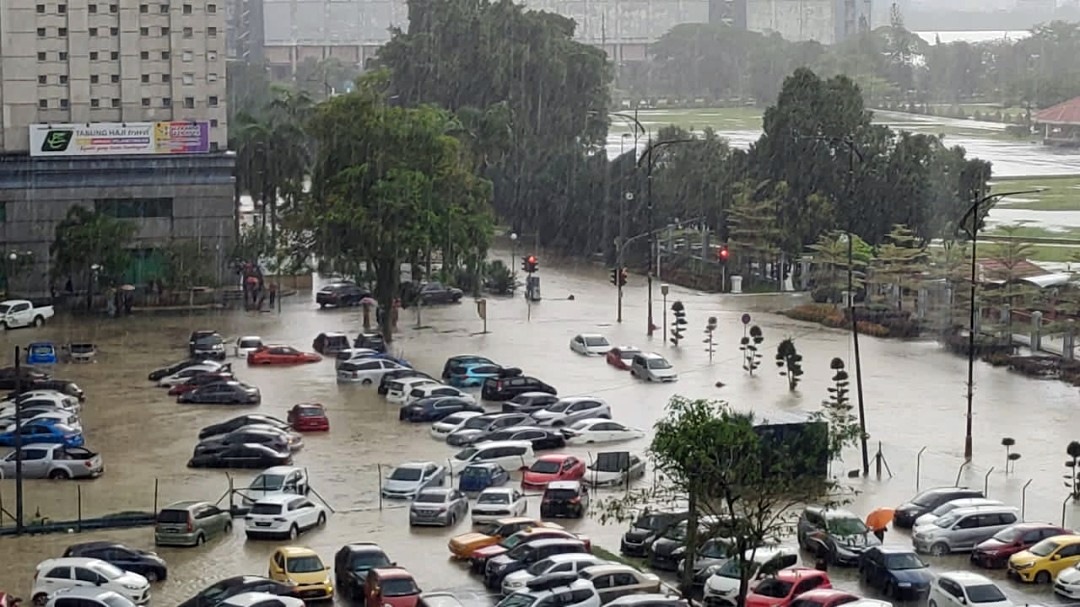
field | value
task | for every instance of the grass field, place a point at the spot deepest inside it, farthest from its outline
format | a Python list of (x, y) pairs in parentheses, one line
[(720, 119), (1059, 193)]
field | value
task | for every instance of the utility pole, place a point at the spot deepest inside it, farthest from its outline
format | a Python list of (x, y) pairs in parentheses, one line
[(619, 259), (19, 517)]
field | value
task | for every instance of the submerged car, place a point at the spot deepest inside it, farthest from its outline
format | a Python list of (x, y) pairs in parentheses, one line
[(241, 456), (222, 393), (309, 417), (464, 546), (246, 345), (411, 478), (590, 344), (612, 469), (281, 355), (621, 357), (253, 419), (436, 408)]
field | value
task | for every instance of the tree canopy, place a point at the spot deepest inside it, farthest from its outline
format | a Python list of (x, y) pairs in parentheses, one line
[(85, 238)]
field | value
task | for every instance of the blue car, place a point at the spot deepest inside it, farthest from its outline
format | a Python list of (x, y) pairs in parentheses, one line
[(472, 374), (41, 353), (39, 432)]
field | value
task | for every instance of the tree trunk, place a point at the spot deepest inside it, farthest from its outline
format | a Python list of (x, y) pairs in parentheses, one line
[(387, 277), (686, 582)]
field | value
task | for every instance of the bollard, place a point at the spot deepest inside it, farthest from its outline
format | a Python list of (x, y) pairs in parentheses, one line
[(918, 468), (1064, 507)]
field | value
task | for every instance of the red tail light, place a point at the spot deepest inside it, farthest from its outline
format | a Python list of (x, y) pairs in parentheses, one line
[(190, 525), (576, 500), (498, 385)]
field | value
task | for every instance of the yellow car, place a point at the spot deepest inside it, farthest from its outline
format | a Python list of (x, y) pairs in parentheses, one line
[(463, 546), (302, 569), (1044, 561)]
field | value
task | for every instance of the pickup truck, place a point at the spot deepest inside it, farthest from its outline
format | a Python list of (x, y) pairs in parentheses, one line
[(55, 462), (21, 313)]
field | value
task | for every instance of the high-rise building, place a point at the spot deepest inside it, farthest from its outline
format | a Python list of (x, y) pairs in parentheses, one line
[(117, 105), (824, 21)]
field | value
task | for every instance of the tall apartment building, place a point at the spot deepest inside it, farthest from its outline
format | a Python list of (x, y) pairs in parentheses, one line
[(117, 105)]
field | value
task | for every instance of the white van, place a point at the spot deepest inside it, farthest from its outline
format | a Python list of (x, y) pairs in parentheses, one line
[(511, 455), (399, 389), (279, 480), (947, 507)]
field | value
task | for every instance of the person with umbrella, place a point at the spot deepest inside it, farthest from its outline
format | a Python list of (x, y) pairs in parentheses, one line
[(878, 521)]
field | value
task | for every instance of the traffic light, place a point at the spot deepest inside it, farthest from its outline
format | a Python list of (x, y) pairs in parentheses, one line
[(723, 254), (615, 276), (529, 264), (622, 277), (679, 324)]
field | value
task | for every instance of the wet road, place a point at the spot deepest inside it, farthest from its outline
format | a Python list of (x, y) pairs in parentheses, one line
[(914, 398)]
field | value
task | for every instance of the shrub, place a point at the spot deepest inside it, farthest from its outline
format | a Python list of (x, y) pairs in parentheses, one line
[(872, 329), (811, 312), (996, 359)]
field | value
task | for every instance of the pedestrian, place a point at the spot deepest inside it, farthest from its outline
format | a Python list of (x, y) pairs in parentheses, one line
[(273, 294), (880, 534), (69, 286)]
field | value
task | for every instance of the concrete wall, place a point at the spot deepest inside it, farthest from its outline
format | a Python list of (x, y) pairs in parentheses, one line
[(37, 193)]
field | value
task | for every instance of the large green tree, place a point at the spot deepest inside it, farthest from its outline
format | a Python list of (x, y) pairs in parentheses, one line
[(86, 238)]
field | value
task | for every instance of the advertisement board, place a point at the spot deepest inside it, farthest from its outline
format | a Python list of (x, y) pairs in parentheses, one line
[(120, 139)]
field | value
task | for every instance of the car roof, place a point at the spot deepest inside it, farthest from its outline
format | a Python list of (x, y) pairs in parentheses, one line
[(985, 508), (333, 334), (71, 561), (363, 547), (505, 443), (296, 551), (554, 541), (574, 485), (184, 505), (826, 593), (1065, 538), (590, 335), (652, 355), (573, 556), (279, 498), (94, 544), (594, 420), (555, 457), (966, 578), (608, 568), (893, 549), (507, 490), (443, 491), (485, 465), (577, 399), (92, 592), (391, 572), (409, 465), (282, 470), (244, 599), (796, 573)]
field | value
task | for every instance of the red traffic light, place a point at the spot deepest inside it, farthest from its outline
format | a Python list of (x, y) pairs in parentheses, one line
[(531, 259), (723, 253)]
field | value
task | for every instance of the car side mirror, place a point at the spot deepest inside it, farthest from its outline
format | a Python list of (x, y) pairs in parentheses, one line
[(1056, 557)]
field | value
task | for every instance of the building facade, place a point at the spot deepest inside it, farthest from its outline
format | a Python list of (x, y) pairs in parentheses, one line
[(824, 21), (118, 105)]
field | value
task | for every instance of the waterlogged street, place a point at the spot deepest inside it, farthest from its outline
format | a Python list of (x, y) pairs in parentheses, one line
[(914, 399)]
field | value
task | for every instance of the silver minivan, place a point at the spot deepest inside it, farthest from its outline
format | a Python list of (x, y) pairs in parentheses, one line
[(963, 528), (511, 455), (652, 367)]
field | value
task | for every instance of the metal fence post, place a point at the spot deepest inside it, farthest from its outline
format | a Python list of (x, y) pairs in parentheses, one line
[(378, 481), (155, 496), (1023, 498), (1064, 506), (960, 471), (986, 482), (918, 468), (78, 494)]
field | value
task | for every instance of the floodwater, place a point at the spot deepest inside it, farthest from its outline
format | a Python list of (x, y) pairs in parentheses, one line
[(913, 394)]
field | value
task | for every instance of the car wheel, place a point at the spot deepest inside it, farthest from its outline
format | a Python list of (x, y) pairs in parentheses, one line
[(40, 598), (294, 532), (451, 520), (200, 540), (322, 520), (59, 474), (939, 549), (1042, 577), (150, 575), (932, 603), (366, 382), (38, 321)]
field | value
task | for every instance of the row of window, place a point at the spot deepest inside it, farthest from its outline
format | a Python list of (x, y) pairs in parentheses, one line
[(134, 208), (42, 32), (186, 56), (189, 103), (93, 9), (166, 78)]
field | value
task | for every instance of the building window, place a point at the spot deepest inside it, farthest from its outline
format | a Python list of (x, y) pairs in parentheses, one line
[(144, 31), (211, 8), (61, 8), (213, 146), (134, 208), (145, 78), (62, 32), (62, 55), (63, 104), (211, 55), (95, 103), (41, 9), (213, 123), (164, 31), (114, 8), (93, 55), (164, 9), (42, 79), (41, 56), (189, 79), (166, 102), (93, 32), (189, 103), (92, 9), (114, 31), (165, 55), (211, 77), (93, 78), (212, 101), (166, 78), (188, 56), (145, 55), (115, 78), (144, 8), (63, 79), (211, 32), (146, 102), (116, 102), (187, 9), (188, 32), (41, 32), (115, 55), (43, 104)]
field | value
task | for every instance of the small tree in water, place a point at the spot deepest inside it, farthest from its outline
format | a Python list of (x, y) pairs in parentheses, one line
[(749, 347), (790, 362)]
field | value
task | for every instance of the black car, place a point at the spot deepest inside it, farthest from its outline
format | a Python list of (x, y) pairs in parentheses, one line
[(255, 419), (505, 388), (455, 365), (213, 595), (836, 535), (147, 564), (436, 292), (371, 341), (899, 573), (435, 408), (480, 425), (569, 499), (250, 435), (27, 375), (664, 553), (174, 368), (528, 402), (351, 566), (648, 527), (206, 344), (241, 456), (329, 344), (389, 376), (924, 502), (541, 438), (222, 393), (521, 556), (341, 294)]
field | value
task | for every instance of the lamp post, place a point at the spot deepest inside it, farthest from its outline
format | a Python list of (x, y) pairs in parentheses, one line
[(12, 258), (971, 228), (620, 243), (513, 249), (18, 445), (94, 270)]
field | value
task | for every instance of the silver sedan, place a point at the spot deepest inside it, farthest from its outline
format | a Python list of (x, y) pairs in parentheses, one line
[(437, 506)]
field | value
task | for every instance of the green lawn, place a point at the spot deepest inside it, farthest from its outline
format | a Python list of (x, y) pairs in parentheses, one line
[(720, 119), (1026, 231), (1054, 254), (1060, 193)]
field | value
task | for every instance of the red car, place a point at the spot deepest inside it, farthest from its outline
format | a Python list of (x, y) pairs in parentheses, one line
[(620, 357), (308, 417), (994, 553), (555, 467), (824, 597), (390, 587), (783, 588), (199, 380), (281, 355)]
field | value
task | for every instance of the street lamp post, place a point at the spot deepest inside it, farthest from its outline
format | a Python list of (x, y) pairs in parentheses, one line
[(971, 228), (94, 270), (620, 244), (12, 258), (18, 445), (513, 249)]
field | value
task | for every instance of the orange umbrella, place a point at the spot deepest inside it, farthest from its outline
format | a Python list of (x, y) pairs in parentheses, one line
[(880, 518)]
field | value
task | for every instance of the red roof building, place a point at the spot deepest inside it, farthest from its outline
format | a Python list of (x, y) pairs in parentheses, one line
[(1061, 123)]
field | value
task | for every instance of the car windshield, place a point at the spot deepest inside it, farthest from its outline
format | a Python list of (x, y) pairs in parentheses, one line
[(985, 593), (595, 341), (266, 509), (304, 564), (544, 467), (477, 423), (518, 599), (659, 363), (730, 569), (846, 526), (946, 521), (406, 474), (399, 587), (627, 354), (1008, 534), (271, 482), (209, 340), (110, 571), (924, 499), (494, 498), (714, 550), (774, 588), (1044, 548), (465, 454), (945, 508), (310, 412), (676, 532), (561, 494), (558, 407), (4, 308), (453, 420), (369, 560), (901, 562), (476, 472), (430, 498), (114, 600), (250, 343)]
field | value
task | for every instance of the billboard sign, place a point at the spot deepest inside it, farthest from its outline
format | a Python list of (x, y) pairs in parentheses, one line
[(119, 139)]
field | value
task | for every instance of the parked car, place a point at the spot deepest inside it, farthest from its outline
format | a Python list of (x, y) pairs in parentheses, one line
[(480, 556), (391, 586), (511, 455), (568, 499), (506, 388), (434, 390), (372, 341), (553, 468), (409, 479), (277, 480), (478, 477), (304, 570), (994, 553), (1068, 583), (269, 436), (527, 402), (947, 507), (222, 590), (615, 580), (439, 599), (63, 386), (39, 398), (78, 596), (897, 573), (925, 501), (173, 368), (206, 344), (58, 462), (720, 586), (197, 381), (464, 546), (1043, 562), (399, 389), (622, 356), (43, 432), (477, 427), (436, 407), (963, 529), (838, 536), (436, 293), (541, 438), (590, 344), (15, 313), (652, 367), (389, 376), (308, 417), (341, 294), (665, 551), (52, 575), (824, 597), (599, 430), (330, 343), (455, 365), (438, 506), (962, 588), (190, 523), (559, 563), (283, 516), (647, 527), (251, 419), (246, 345), (352, 564), (783, 588), (262, 599), (474, 375), (145, 563), (281, 355), (495, 503), (563, 589), (442, 428), (222, 393), (614, 468), (183, 375), (570, 410), (520, 557), (367, 371), (241, 456)]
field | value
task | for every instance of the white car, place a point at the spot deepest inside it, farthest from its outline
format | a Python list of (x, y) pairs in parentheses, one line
[(55, 574), (722, 585), (181, 376), (590, 344), (498, 502), (570, 410), (352, 355), (613, 469), (7, 424), (42, 398), (963, 588), (652, 367), (599, 430), (399, 389), (366, 371), (260, 599), (431, 390), (88, 596), (947, 507), (1067, 583), (578, 593), (278, 480), (556, 563), (246, 345), (442, 428), (283, 516)]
